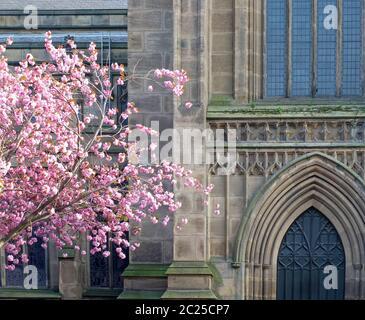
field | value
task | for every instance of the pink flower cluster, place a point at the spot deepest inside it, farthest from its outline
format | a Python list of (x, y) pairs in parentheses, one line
[(173, 80), (62, 181)]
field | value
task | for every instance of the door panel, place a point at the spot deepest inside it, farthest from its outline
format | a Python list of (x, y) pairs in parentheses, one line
[(310, 244)]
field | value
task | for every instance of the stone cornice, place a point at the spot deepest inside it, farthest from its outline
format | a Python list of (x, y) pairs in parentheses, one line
[(226, 108)]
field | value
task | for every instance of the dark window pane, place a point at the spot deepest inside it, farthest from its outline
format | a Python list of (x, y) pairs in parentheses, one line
[(122, 97), (122, 101), (301, 76), (37, 258), (276, 33), (326, 53), (352, 48), (15, 278), (118, 267), (99, 271)]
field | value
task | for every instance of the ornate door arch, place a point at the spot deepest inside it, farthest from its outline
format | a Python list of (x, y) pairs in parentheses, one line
[(314, 180), (310, 244)]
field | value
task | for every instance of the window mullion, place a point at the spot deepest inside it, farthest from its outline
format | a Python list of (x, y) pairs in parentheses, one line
[(110, 264), (363, 48), (314, 46), (339, 49), (3, 271), (47, 265), (88, 262), (289, 49)]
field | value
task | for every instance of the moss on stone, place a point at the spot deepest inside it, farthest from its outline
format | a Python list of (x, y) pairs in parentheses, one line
[(145, 270), (189, 268), (189, 294), (15, 293), (140, 295)]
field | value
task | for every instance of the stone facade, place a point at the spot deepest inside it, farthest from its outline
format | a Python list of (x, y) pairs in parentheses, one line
[(291, 154)]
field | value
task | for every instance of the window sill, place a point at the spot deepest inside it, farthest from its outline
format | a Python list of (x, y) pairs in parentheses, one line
[(15, 293)]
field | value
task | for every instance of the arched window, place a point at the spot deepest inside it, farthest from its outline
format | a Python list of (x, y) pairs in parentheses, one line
[(313, 48)]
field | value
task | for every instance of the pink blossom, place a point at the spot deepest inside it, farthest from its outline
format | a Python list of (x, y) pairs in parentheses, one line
[(115, 66), (30, 59), (217, 211), (64, 183), (9, 41), (106, 254), (188, 105), (71, 43), (158, 73), (24, 258)]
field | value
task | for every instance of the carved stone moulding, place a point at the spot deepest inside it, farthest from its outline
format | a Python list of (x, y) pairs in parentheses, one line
[(296, 131), (266, 162)]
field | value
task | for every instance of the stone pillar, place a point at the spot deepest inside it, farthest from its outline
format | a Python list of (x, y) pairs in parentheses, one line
[(248, 52), (70, 275), (189, 276), (150, 46)]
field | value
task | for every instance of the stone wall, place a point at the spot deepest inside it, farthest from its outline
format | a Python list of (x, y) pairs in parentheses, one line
[(150, 46), (221, 45)]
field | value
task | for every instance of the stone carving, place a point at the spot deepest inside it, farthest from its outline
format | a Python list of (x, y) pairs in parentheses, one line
[(302, 131), (268, 162), (264, 147)]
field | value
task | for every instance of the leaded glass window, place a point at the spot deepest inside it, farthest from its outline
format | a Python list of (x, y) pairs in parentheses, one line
[(276, 48), (107, 272), (351, 50), (305, 57), (38, 257), (301, 47), (326, 53)]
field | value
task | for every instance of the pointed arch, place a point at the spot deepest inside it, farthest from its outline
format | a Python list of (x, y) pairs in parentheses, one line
[(313, 180)]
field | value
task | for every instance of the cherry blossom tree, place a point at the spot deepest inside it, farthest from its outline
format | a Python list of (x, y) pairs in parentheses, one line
[(64, 168)]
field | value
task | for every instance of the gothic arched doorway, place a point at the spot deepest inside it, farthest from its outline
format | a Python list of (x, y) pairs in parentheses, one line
[(313, 180), (310, 245)]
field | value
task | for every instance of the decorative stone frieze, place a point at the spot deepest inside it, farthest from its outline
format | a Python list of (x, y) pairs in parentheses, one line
[(304, 131), (266, 162)]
